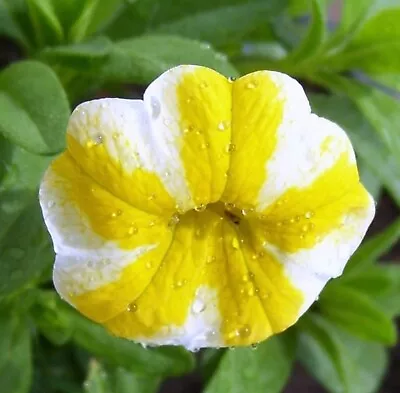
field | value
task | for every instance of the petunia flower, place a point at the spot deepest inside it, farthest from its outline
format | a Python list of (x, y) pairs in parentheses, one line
[(211, 213)]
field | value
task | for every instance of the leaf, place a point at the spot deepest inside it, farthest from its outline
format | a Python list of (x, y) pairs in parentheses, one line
[(56, 326), (117, 380), (389, 301), (47, 27), (142, 59), (264, 369), (82, 56), (34, 106), (373, 248), (373, 281), (15, 359), (356, 313), (25, 251), (8, 26), (341, 110), (341, 363), (374, 46), (312, 42), (18, 186), (218, 22), (121, 352), (93, 15)]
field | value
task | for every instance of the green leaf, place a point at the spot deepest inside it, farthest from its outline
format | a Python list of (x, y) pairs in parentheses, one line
[(15, 357), (35, 108), (312, 42), (373, 281), (8, 26), (223, 25), (94, 14), (219, 22), (264, 369), (340, 362), (55, 325), (120, 352), (356, 313), (367, 144), (142, 59), (47, 27), (374, 47), (376, 246), (106, 380), (25, 251), (82, 56), (18, 186), (389, 301)]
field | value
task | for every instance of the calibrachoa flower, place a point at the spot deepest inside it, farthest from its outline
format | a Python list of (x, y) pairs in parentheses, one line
[(212, 213)]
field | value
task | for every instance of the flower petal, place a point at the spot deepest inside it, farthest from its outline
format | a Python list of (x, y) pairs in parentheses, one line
[(210, 292), (191, 113), (269, 111), (102, 243), (112, 141)]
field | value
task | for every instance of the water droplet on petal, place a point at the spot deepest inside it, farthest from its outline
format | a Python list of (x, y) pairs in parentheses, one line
[(223, 125), (133, 230), (231, 78), (200, 208), (116, 213), (203, 84), (50, 204), (174, 220), (151, 197), (230, 148), (149, 265), (98, 139), (235, 243), (251, 85), (308, 214), (244, 331), (155, 107), (132, 307), (254, 346), (198, 306)]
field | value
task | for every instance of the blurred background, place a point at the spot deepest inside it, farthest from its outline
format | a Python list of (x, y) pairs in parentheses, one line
[(55, 54)]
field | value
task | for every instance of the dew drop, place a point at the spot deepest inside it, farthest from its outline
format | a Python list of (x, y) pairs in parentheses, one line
[(244, 331), (174, 220), (251, 85), (151, 197), (167, 173), (50, 204), (203, 84), (308, 214), (133, 230), (231, 79), (167, 122), (198, 306), (230, 148), (250, 292), (149, 265), (155, 107), (152, 223), (292, 221), (204, 146), (210, 259), (254, 346), (179, 284), (115, 135), (223, 125), (235, 243), (200, 208), (98, 139), (116, 213), (132, 307)]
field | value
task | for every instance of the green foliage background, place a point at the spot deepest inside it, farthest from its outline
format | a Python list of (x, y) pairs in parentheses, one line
[(74, 50)]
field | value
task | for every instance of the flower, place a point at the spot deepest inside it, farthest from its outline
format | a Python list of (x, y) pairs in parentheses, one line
[(210, 214)]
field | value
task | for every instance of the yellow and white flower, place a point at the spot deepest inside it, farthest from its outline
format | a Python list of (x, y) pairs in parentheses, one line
[(210, 214)]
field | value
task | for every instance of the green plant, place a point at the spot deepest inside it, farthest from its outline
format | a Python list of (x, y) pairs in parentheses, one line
[(77, 49)]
